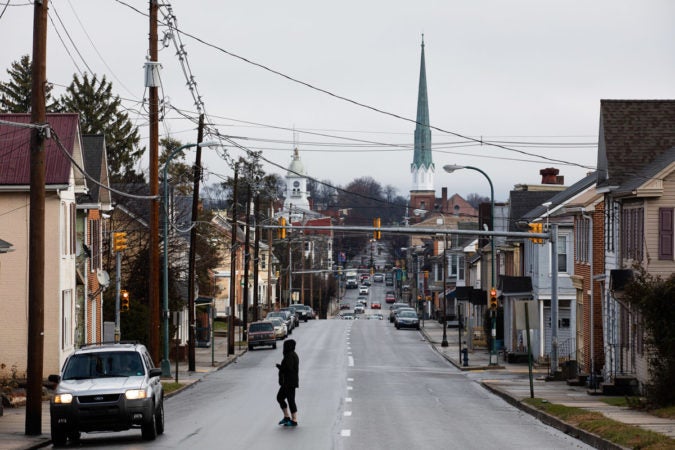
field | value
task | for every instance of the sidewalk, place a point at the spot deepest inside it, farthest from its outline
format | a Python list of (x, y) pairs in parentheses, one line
[(12, 422), (511, 382)]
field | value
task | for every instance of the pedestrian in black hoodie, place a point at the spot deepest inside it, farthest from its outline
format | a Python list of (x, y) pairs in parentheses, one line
[(288, 383)]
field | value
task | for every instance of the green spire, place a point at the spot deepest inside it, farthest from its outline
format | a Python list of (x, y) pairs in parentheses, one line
[(422, 155)]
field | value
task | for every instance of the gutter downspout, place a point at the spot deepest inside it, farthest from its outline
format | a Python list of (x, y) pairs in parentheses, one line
[(592, 325)]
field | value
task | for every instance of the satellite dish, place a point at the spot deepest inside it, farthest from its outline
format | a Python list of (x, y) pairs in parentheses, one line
[(103, 278)]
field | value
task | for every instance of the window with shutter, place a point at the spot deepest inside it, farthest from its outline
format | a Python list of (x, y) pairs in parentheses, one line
[(666, 234)]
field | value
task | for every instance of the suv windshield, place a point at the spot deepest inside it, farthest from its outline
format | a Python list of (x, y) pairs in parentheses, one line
[(103, 364)]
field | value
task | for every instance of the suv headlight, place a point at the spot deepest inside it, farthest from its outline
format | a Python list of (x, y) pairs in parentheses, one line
[(135, 394), (63, 398)]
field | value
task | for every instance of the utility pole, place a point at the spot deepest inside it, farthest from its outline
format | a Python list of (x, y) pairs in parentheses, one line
[(247, 255), (153, 117), (256, 256), (193, 248), (36, 246), (233, 266)]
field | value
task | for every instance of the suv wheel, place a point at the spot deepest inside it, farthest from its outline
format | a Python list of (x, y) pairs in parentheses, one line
[(159, 419), (149, 428), (59, 436)]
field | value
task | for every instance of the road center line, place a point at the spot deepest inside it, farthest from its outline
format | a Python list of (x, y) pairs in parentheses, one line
[(351, 361)]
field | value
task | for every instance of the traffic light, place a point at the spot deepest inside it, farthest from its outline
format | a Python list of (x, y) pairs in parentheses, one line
[(124, 301), (536, 228), (282, 230), (377, 234), (119, 241), (493, 299)]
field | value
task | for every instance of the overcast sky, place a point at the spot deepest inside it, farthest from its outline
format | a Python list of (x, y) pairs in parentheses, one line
[(530, 74)]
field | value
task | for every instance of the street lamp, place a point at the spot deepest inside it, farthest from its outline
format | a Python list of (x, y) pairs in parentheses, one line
[(451, 168), (166, 365), (444, 342)]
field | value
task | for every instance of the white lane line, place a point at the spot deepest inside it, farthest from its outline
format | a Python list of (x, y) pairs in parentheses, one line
[(348, 399), (351, 361), (349, 388), (346, 433), (348, 413), (350, 379)]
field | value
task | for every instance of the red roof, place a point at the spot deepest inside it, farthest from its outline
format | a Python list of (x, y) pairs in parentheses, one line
[(15, 149)]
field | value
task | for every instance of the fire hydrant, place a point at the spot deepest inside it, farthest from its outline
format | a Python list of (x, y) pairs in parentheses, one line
[(465, 357)]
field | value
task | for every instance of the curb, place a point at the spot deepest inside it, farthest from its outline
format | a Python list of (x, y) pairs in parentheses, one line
[(583, 435), (434, 345)]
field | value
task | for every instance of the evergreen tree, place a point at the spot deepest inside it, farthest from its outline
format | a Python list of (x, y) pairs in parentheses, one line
[(15, 95), (101, 113)]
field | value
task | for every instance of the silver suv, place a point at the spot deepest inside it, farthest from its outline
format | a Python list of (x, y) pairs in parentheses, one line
[(107, 387)]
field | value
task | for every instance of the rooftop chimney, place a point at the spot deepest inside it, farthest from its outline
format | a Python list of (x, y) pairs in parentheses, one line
[(549, 175)]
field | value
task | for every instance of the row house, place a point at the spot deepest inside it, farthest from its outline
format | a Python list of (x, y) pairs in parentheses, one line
[(636, 178), (63, 183)]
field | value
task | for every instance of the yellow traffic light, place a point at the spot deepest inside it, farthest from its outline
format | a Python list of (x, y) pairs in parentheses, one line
[(124, 301), (537, 227), (119, 241), (377, 234), (494, 303), (282, 230)]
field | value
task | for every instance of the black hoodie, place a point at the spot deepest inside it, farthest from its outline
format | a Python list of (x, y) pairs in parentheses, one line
[(290, 366)]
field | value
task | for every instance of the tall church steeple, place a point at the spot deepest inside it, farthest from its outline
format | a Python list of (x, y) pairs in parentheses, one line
[(422, 194)]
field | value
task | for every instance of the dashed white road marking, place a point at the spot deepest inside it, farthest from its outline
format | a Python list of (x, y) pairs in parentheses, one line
[(350, 379), (348, 399), (349, 388), (348, 413), (351, 361), (346, 433)]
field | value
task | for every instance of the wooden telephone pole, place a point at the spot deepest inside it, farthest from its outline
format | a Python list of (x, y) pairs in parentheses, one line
[(36, 246)]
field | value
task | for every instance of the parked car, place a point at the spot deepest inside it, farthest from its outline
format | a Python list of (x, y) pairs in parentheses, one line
[(378, 277), (347, 316), (363, 290), (375, 316), (375, 305), (306, 311), (362, 301), (294, 313), (344, 305), (395, 307), (261, 333), (407, 319), (280, 329), (286, 316), (107, 387)]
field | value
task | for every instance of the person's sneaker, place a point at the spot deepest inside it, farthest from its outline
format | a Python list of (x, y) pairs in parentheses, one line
[(291, 423), (285, 421)]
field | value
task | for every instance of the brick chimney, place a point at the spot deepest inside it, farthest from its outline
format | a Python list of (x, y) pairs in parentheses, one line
[(444, 199), (550, 176)]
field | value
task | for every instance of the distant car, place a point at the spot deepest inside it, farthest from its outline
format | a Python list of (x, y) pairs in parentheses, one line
[(362, 301), (280, 330), (286, 316), (347, 316), (344, 305), (394, 309), (378, 277), (390, 298), (295, 314), (363, 290), (407, 319), (306, 311), (366, 281), (376, 316), (107, 387), (261, 333), (375, 305), (359, 309)]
